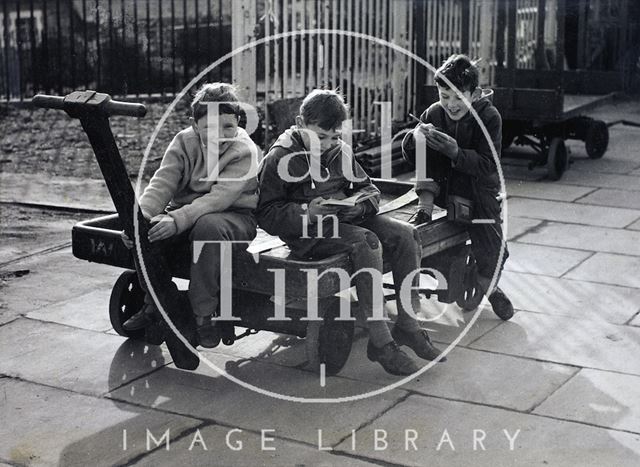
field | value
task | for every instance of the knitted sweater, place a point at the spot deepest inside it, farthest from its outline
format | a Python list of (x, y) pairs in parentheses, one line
[(184, 185)]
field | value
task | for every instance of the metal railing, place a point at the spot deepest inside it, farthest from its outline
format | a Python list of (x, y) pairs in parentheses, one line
[(122, 47)]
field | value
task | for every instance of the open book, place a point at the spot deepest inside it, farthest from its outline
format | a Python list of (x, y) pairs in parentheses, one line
[(350, 201)]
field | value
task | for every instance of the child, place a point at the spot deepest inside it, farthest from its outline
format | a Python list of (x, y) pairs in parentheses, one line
[(186, 199), (460, 163), (289, 206)]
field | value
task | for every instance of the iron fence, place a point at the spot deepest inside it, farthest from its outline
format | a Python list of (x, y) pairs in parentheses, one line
[(122, 47)]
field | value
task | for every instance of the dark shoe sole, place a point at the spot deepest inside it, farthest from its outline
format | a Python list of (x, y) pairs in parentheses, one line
[(208, 337)]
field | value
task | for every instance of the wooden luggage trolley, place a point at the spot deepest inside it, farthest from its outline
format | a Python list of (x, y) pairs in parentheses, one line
[(328, 341), (540, 59)]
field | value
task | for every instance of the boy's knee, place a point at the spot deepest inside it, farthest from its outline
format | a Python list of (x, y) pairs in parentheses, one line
[(366, 241), (372, 240), (209, 228)]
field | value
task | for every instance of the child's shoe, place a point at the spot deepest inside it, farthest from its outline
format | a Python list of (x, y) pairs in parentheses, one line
[(141, 319), (392, 359), (420, 217), (501, 304), (207, 332), (418, 341)]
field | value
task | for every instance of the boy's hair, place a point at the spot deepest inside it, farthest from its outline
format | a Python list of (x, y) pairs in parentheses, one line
[(460, 71), (215, 92), (325, 108)]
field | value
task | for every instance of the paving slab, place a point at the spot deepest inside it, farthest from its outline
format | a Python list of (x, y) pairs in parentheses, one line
[(207, 394), (560, 339), (581, 237), (474, 376), (555, 191), (68, 192), (48, 426), (609, 269), (571, 212), (583, 178), (577, 299), (89, 311), (74, 359), (635, 321), (227, 447), (540, 441), (52, 278), (514, 169), (606, 165), (615, 198), (517, 226), (634, 226), (635, 172), (597, 397), (537, 259)]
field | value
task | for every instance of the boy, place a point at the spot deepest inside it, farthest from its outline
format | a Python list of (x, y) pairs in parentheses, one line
[(290, 203), (187, 200), (460, 163)]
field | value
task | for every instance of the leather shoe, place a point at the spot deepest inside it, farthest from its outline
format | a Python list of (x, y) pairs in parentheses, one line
[(501, 304), (420, 217), (208, 334), (392, 358), (140, 320), (417, 341)]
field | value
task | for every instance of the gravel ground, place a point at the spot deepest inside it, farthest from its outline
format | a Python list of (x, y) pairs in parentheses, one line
[(48, 141)]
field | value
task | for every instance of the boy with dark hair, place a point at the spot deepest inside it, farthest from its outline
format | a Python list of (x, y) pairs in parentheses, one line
[(460, 165), (291, 204), (188, 200)]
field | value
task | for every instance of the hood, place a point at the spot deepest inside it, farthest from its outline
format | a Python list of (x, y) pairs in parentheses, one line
[(291, 141), (486, 98)]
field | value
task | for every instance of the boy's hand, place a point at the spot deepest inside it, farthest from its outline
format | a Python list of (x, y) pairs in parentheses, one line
[(126, 240), (316, 209), (353, 212), (443, 143), (163, 227)]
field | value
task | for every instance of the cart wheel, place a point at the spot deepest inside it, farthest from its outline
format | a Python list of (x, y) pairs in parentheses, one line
[(597, 139), (127, 298), (329, 342), (557, 159), (471, 295)]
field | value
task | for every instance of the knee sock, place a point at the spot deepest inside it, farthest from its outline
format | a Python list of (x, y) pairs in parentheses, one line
[(407, 323), (425, 201), (379, 333)]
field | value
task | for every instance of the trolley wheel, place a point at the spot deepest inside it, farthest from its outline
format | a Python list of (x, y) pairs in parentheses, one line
[(329, 342), (557, 159), (127, 298), (471, 294), (596, 140)]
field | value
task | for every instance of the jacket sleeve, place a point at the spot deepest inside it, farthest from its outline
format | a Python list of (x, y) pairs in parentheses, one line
[(364, 185), (276, 213), (165, 181), (222, 194), (427, 183), (479, 161)]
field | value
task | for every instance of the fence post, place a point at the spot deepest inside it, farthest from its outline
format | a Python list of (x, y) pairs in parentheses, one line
[(243, 65), (399, 75)]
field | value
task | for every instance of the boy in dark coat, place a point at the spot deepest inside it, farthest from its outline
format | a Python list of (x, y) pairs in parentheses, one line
[(308, 163), (460, 163)]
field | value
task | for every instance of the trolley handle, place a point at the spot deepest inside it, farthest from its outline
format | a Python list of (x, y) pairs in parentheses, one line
[(92, 99)]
